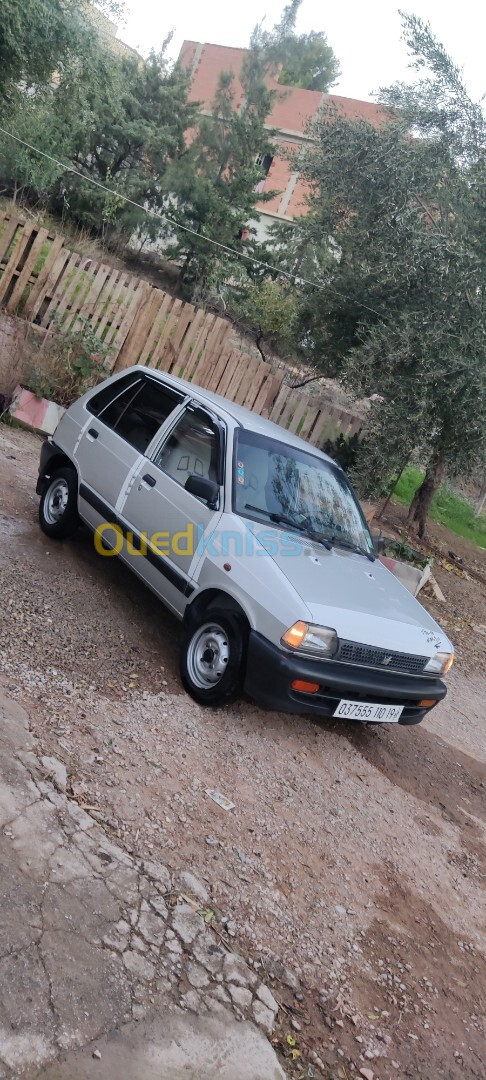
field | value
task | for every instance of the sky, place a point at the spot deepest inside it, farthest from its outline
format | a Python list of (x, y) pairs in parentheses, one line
[(365, 34)]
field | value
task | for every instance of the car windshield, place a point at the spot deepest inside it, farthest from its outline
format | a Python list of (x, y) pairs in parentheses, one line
[(285, 485)]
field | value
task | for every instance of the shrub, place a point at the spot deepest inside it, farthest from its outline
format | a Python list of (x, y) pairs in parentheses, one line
[(344, 451), (68, 365)]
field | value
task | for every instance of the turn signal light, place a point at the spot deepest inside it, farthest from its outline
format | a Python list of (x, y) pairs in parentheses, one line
[(305, 687), (295, 636), (427, 703)]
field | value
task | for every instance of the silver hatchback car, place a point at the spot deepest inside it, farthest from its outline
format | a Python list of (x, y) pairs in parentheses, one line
[(254, 539)]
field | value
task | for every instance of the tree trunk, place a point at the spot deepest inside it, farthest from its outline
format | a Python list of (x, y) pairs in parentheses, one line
[(392, 489), (422, 499), (481, 500)]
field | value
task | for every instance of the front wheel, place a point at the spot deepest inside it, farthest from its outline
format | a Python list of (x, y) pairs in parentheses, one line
[(213, 657), (58, 508)]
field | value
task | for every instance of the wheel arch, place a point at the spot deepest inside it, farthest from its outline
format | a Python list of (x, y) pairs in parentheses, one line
[(57, 461), (214, 598), (52, 458)]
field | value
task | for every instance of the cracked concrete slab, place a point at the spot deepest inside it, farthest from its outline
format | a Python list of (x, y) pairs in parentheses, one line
[(175, 1046), (91, 939)]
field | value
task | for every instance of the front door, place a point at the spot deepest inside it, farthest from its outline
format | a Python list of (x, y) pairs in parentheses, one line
[(168, 522)]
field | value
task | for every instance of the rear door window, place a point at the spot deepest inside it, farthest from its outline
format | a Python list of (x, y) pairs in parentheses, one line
[(112, 391), (138, 413)]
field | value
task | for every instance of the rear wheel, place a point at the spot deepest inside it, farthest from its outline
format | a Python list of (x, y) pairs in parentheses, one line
[(213, 657), (58, 507)]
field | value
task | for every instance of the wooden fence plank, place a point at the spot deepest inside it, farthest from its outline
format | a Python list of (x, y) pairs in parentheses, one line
[(90, 277), (146, 315), (250, 372), (232, 373), (273, 390), (57, 292), (7, 236), (15, 262), (44, 278), (356, 426), (119, 343), (73, 295), (279, 403), (162, 303), (309, 421), (111, 308), (298, 412), (188, 354), (257, 388), (165, 358), (239, 370), (291, 404), (121, 299), (97, 279), (138, 329), (103, 301), (183, 325), (263, 390), (27, 269), (202, 360), (216, 374), (205, 369)]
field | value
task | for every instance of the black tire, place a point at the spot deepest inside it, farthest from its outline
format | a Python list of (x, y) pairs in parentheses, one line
[(58, 507), (216, 680)]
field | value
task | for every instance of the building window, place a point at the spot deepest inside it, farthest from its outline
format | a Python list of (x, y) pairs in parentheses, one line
[(264, 162)]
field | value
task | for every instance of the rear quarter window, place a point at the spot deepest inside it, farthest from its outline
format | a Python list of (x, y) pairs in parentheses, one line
[(111, 392)]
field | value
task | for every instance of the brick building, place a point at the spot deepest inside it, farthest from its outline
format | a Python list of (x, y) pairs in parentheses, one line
[(292, 110)]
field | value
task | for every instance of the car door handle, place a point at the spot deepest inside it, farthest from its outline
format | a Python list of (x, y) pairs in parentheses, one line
[(147, 481), (93, 433)]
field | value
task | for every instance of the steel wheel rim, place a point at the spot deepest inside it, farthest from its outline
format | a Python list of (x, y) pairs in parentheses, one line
[(56, 501), (208, 655)]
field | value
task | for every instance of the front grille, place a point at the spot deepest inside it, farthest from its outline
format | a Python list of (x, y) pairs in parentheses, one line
[(351, 652)]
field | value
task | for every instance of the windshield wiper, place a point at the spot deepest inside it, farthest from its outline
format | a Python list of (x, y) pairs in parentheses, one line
[(282, 519), (337, 541)]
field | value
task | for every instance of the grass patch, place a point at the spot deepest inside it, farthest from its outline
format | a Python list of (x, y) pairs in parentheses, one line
[(447, 508)]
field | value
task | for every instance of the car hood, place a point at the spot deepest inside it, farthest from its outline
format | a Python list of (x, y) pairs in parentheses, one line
[(360, 599)]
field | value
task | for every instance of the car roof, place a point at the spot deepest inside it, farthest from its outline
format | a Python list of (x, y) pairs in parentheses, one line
[(244, 417)]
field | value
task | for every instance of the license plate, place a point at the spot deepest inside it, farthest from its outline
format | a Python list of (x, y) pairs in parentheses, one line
[(361, 710)]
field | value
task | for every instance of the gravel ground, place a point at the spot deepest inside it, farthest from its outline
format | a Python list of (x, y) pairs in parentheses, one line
[(352, 864)]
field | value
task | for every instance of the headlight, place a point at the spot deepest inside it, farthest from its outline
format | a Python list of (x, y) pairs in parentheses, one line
[(320, 640), (441, 663)]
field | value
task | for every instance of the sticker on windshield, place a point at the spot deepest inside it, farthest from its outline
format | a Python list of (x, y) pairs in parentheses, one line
[(240, 472)]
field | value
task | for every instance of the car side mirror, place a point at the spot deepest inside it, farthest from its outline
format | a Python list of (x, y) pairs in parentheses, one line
[(202, 488), (378, 544)]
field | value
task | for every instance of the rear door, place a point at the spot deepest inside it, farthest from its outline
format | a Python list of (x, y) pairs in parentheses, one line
[(127, 415)]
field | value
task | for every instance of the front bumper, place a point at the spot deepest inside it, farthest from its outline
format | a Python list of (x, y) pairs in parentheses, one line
[(271, 671)]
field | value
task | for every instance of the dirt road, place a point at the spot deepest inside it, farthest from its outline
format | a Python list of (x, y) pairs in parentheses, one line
[(353, 863)]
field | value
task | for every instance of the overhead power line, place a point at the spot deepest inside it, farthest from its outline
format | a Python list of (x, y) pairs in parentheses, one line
[(166, 218)]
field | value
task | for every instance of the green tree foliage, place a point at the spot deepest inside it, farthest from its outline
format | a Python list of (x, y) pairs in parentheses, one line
[(39, 37), (401, 205), (33, 118), (308, 61), (266, 308), (214, 186), (126, 123)]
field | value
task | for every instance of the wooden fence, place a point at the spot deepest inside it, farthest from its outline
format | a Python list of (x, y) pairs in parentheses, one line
[(43, 282)]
